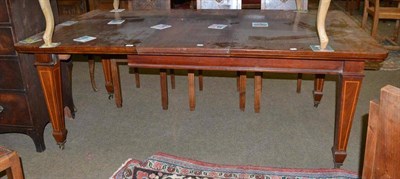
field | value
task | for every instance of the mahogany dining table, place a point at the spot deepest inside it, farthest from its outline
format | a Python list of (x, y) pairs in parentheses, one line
[(245, 44)]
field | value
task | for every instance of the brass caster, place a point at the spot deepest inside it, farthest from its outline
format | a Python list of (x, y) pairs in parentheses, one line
[(74, 110), (337, 165), (61, 145), (110, 96)]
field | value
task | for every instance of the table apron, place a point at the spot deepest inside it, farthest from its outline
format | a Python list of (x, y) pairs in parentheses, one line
[(238, 64)]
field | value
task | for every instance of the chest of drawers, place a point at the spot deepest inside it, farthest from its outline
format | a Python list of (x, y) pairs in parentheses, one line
[(22, 108)]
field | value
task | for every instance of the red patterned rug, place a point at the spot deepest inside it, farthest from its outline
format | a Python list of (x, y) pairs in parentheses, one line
[(164, 166)]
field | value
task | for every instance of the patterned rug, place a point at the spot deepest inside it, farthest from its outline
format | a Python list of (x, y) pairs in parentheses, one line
[(164, 166), (392, 62)]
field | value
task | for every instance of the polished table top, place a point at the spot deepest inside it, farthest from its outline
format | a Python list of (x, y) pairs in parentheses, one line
[(190, 35)]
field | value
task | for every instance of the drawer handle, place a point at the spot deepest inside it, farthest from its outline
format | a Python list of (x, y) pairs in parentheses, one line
[(1, 108)]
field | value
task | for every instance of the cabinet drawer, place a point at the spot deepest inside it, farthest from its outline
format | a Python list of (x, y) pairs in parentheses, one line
[(7, 42), (10, 75), (4, 17), (14, 110)]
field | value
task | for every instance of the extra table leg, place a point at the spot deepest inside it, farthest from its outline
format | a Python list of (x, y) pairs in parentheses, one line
[(348, 89), (192, 90), (201, 80), (106, 63), (116, 83), (137, 77), (172, 74), (257, 91), (299, 81), (91, 64), (238, 81), (48, 67), (242, 90), (164, 88), (318, 88)]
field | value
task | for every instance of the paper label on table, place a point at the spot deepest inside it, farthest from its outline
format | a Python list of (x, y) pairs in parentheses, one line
[(161, 26), (116, 22), (68, 23), (217, 26), (260, 24), (117, 10), (84, 39), (31, 40)]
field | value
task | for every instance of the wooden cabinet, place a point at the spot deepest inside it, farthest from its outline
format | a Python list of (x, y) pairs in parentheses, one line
[(251, 4), (22, 108), (68, 9), (108, 4), (101, 4)]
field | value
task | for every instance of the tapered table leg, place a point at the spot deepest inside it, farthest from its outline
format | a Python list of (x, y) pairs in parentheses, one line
[(106, 63), (48, 67), (257, 91), (242, 90), (348, 89), (164, 88), (137, 77), (299, 81), (318, 88), (192, 91), (172, 74), (238, 81), (91, 64), (201, 80), (116, 83)]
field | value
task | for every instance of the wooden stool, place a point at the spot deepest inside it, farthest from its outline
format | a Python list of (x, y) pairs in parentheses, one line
[(9, 160)]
